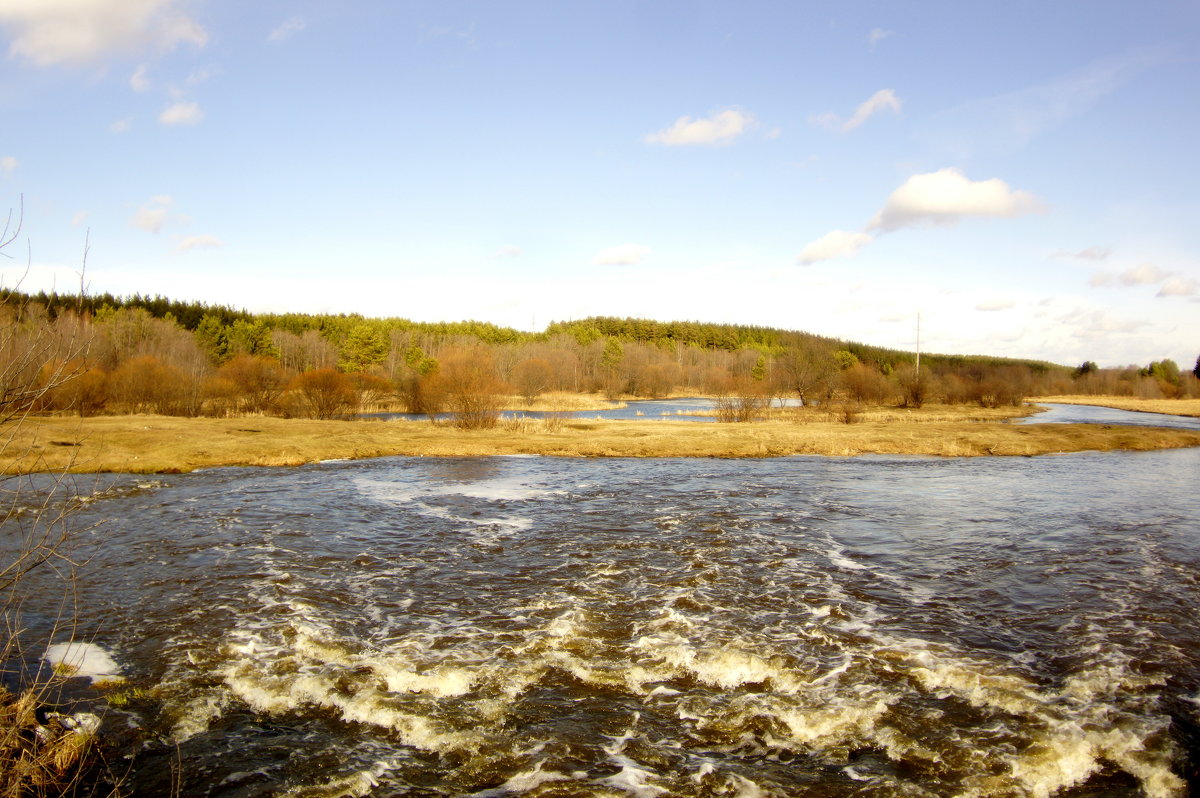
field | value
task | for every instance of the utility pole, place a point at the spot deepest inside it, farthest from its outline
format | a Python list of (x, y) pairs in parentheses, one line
[(918, 346)]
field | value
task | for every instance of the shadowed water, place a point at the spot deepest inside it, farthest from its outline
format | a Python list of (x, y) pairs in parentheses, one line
[(877, 626)]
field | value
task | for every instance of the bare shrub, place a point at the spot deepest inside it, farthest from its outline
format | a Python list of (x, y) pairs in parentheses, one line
[(532, 377), (865, 384), (848, 411), (84, 394), (554, 421), (38, 754), (145, 384), (518, 424), (326, 393), (741, 401), (260, 380), (473, 392)]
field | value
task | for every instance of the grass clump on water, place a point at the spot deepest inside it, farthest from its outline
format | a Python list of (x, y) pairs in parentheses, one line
[(46, 755)]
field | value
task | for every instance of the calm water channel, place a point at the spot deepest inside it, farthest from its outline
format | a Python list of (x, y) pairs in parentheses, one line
[(876, 626)]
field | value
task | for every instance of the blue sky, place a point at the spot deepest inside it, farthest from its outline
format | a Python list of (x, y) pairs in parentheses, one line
[(1023, 174)]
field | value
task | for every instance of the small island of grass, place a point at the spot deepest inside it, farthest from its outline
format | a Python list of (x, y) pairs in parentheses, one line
[(168, 444)]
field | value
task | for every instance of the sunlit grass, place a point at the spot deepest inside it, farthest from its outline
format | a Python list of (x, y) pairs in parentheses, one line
[(147, 444), (1173, 407)]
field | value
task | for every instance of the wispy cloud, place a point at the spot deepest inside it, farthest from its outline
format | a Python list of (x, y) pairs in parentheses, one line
[(508, 251), (877, 35), (181, 113), (121, 125), (287, 29), (8, 165), (1013, 119), (1170, 283), (721, 127), (138, 81), (1094, 253), (79, 218), (882, 100), (152, 215), (49, 33), (1145, 274), (993, 305), (834, 244), (467, 35), (198, 242), (621, 255), (1179, 286)]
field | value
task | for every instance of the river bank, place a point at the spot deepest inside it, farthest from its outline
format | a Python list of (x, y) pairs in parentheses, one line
[(167, 444)]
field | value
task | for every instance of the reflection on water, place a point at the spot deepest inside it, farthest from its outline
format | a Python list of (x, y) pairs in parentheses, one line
[(1085, 414), (555, 627)]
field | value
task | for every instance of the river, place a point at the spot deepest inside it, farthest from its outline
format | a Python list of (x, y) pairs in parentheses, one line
[(871, 626)]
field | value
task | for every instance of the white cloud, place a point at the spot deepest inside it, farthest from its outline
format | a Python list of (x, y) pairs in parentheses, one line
[(996, 304), (877, 35), (621, 255), (1101, 279), (181, 113), (834, 244), (138, 80), (508, 251), (882, 100), (1178, 286), (946, 196), (151, 216), (1144, 274), (48, 32), (8, 165), (79, 218), (121, 125), (198, 242), (720, 128), (287, 29)]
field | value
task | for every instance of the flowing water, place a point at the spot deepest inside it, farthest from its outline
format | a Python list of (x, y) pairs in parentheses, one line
[(875, 626)]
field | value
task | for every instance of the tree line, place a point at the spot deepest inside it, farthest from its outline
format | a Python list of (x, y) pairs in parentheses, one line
[(155, 355)]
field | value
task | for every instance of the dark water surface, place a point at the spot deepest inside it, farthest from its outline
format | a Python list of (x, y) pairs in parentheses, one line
[(876, 626)]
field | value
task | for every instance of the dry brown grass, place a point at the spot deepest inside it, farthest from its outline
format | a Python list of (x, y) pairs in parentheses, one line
[(39, 758), (149, 444), (561, 400), (1171, 407)]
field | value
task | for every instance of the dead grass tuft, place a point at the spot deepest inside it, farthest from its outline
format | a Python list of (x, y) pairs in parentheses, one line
[(40, 759)]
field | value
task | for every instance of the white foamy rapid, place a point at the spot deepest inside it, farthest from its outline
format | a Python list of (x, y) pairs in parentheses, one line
[(635, 636)]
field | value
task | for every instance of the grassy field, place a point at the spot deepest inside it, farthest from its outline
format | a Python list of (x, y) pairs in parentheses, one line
[(150, 444), (1171, 407)]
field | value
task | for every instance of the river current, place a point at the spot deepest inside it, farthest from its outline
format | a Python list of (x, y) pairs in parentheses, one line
[(874, 626)]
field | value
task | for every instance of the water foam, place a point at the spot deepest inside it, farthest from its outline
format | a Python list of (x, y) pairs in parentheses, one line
[(84, 660)]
